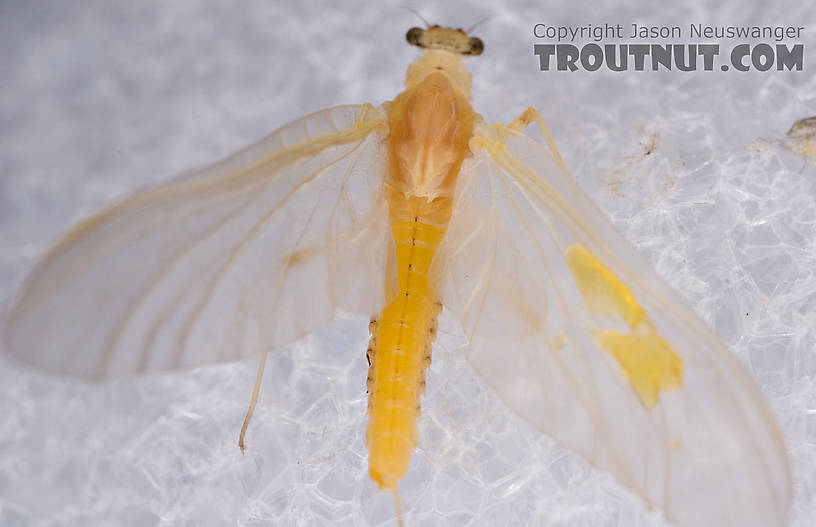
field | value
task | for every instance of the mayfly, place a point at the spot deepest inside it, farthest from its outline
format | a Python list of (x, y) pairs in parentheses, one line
[(399, 212)]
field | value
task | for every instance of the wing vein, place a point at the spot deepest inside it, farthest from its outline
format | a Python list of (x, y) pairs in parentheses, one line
[(239, 248)]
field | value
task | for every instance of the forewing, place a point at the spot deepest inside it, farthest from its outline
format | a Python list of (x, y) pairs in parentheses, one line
[(237, 258), (579, 336)]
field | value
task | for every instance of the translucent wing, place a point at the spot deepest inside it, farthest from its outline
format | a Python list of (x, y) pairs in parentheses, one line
[(579, 336), (240, 257)]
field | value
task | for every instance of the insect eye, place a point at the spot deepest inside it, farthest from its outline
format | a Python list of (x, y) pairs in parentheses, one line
[(476, 46), (413, 35)]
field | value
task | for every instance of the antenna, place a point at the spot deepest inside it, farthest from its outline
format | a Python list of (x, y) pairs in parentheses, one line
[(479, 23), (414, 11)]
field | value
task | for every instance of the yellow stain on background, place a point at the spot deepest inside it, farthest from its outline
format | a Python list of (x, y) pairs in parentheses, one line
[(648, 362)]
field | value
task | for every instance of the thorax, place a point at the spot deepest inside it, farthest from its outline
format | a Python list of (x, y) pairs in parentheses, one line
[(430, 125)]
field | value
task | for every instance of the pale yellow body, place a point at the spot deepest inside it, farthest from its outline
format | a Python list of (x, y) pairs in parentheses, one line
[(430, 125)]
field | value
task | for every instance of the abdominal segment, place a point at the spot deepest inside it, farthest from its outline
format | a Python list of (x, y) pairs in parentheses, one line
[(400, 348)]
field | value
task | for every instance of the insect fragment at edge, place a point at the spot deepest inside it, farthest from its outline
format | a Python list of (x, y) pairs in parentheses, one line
[(399, 212)]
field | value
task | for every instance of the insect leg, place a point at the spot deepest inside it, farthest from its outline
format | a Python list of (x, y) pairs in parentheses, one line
[(529, 116), (255, 390), (398, 507)]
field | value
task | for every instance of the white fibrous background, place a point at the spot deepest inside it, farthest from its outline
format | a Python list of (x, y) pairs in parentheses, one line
[(100, 98)]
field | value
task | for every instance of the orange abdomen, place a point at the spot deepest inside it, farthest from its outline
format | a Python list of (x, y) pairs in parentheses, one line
[(430, 126), (400, 348)]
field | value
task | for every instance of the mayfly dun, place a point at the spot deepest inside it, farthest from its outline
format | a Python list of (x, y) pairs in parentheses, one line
[(399, 212)]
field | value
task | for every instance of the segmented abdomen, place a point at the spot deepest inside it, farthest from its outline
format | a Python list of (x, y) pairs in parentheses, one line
[(430, 124), (400, 348)]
